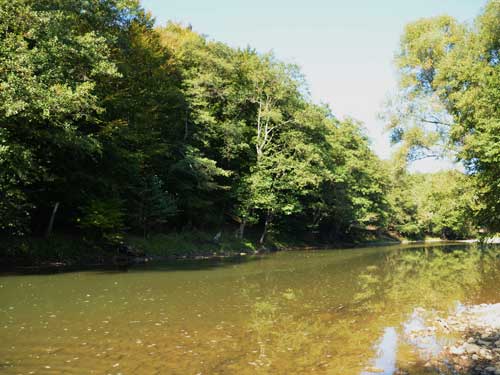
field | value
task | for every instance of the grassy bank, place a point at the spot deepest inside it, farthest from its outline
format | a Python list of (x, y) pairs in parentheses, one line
[(64, 250), (76, 251), (197, 243), (190, 244)]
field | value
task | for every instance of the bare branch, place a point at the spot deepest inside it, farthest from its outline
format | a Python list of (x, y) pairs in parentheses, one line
[(435, 122)]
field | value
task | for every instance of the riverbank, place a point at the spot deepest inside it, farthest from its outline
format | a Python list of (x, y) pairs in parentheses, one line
[(478, 350), (63, 251), (488, 240), (474, 336)]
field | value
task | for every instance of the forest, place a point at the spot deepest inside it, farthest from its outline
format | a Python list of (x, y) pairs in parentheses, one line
[(115, 129)]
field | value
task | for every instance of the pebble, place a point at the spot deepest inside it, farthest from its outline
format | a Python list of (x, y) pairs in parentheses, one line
[(482, 342), (471, 348), (457, 350)]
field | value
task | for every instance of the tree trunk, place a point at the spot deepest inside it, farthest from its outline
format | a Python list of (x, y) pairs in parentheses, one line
[(266, 223), (241, 231), (48, 232)]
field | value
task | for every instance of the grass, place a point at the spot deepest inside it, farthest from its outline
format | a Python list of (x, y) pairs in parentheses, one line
[(75, 250), (192, 243)]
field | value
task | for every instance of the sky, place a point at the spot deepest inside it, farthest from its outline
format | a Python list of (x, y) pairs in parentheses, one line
[(345, 48)]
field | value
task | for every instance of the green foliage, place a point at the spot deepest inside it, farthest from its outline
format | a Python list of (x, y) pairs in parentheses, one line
[(190, 244), (154, 206), (102, 219), (450, 81), (15, 170), (133, 129), (52, 63), (437, 205)]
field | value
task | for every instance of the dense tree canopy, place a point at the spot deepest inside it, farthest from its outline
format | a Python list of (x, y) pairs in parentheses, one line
[(111, 125)]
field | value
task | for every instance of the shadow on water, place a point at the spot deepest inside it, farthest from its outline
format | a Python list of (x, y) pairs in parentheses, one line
[(156, 265), (189, 264)]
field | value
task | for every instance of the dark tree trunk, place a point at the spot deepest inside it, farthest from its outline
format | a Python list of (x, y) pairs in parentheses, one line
[(241, 231), (50, 226), (266, 224)]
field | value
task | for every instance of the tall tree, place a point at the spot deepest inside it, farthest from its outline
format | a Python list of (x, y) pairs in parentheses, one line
[(457, 67), (51, 64)]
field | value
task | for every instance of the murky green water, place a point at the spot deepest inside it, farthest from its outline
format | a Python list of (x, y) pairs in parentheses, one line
[(314, 312)]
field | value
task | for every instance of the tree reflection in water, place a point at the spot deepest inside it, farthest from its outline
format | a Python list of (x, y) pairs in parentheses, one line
[(291, 335)]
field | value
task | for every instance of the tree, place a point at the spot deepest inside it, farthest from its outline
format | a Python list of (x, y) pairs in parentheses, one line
[(49, 107), (111, 125), (435, 204), (154, 204), (456, 66), (271, 89)]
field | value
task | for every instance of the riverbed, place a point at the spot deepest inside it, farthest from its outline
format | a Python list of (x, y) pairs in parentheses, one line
[(298, 312)]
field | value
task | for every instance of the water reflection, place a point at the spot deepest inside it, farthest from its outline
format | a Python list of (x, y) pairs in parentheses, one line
[(416, 284), (421, 336), (326, 312), (385, 361), (435, 277)]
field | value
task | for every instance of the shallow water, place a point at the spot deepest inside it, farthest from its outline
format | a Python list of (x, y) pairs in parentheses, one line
[(317, 312)]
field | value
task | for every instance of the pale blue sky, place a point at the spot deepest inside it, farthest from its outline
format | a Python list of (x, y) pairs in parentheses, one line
[(344, 47)]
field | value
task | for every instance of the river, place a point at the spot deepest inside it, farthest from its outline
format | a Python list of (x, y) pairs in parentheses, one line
[(297, 312)]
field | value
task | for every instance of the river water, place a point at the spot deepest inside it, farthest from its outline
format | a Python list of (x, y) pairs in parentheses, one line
[(300, 312)]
